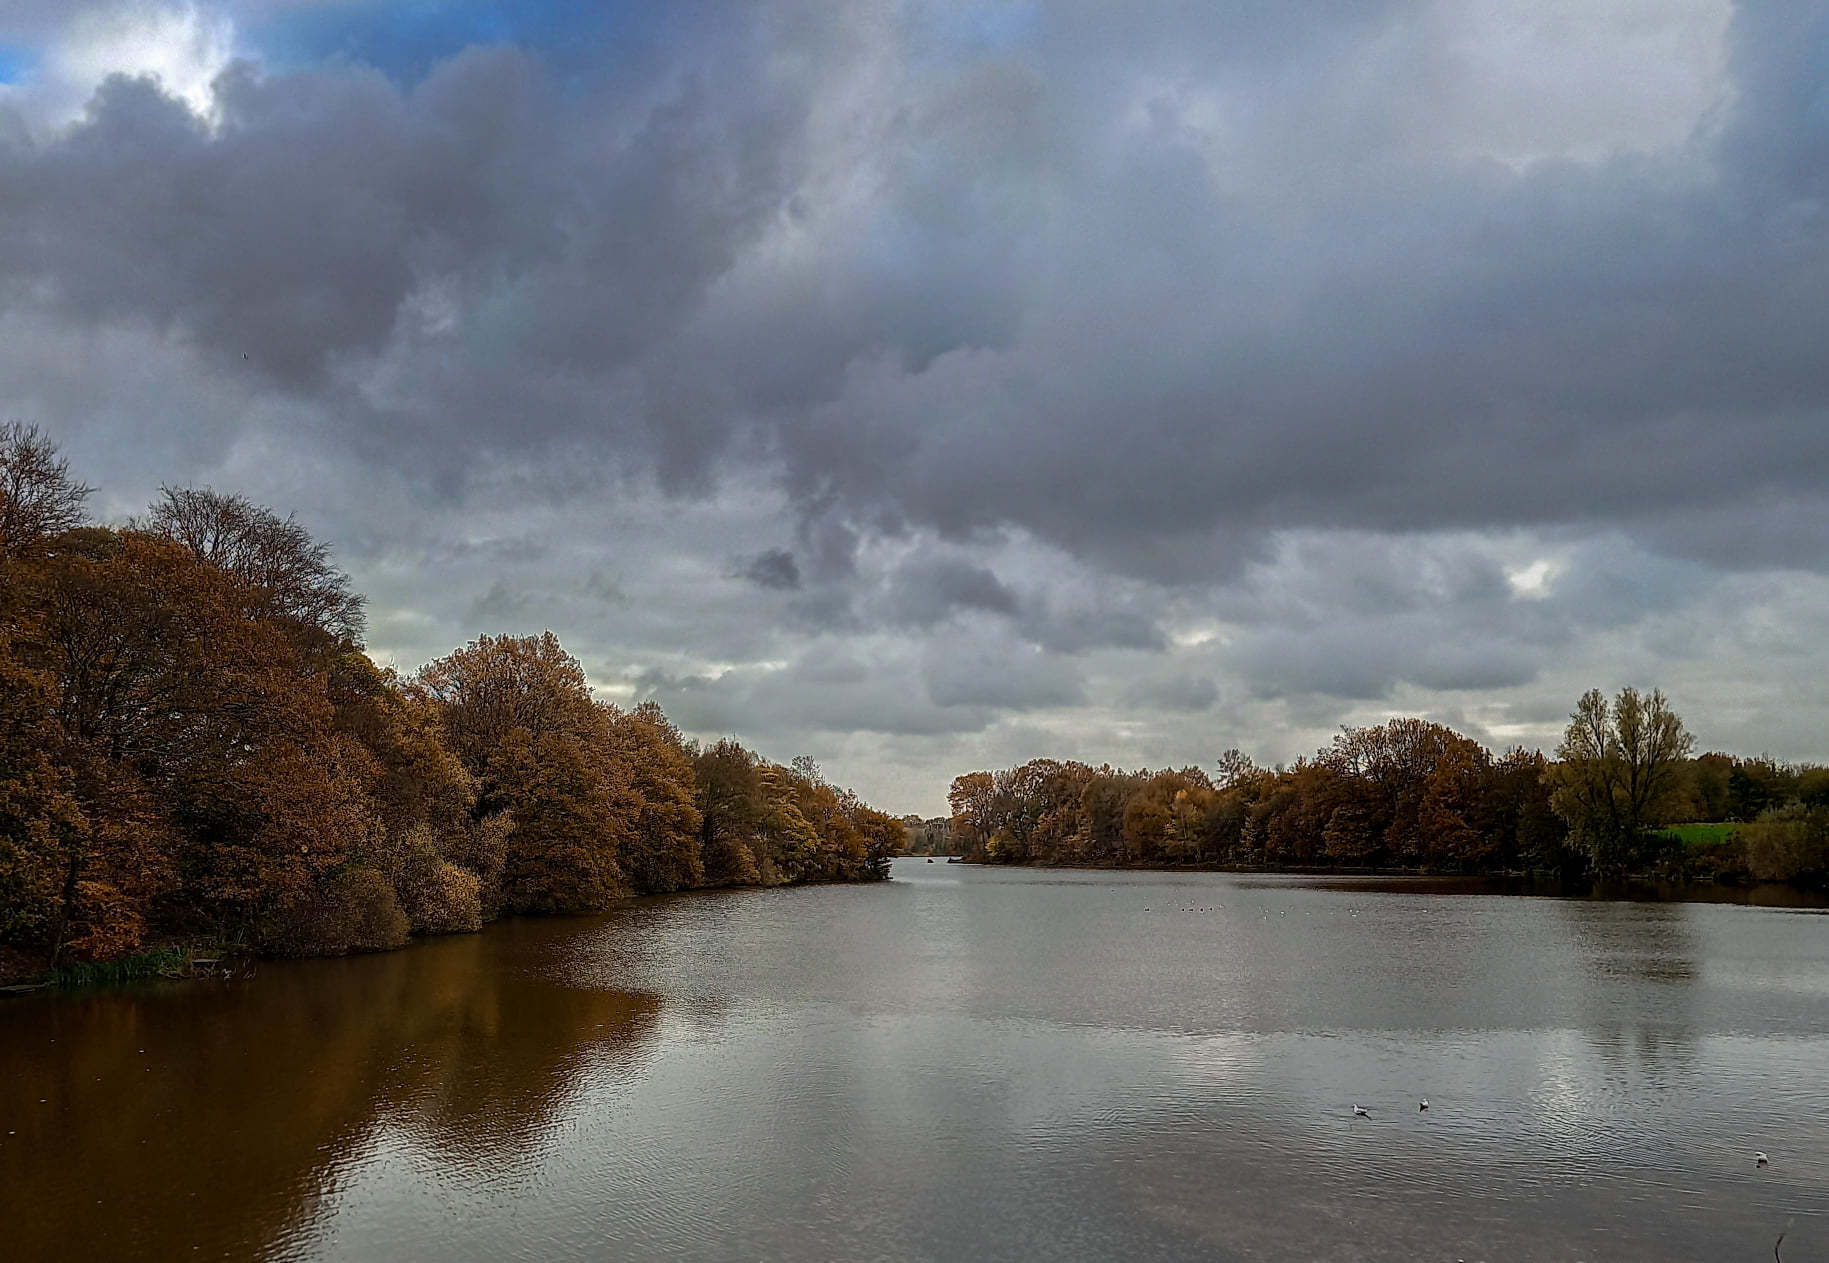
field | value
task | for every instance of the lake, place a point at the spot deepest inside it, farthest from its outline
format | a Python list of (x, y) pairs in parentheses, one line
[(963, 1063)]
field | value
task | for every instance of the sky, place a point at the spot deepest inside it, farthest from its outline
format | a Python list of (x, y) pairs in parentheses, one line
[(930, 386)]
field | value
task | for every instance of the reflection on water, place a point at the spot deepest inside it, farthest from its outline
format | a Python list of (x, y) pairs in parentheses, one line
[(1645, 1035), (965, 1063), (217, 1118)]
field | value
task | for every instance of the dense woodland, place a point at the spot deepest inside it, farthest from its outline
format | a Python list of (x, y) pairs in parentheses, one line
[(1411, 794), (194, 747)]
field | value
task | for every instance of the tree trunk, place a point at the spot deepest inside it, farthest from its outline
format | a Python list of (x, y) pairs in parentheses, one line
[(63, 911)]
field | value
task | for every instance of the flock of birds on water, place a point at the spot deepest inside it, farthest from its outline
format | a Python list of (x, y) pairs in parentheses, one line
[(1760, 1160), (1359, 1111)]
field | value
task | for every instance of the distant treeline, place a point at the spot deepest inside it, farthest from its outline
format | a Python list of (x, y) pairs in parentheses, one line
[(933, 836), (1412, 794), (194, 746)]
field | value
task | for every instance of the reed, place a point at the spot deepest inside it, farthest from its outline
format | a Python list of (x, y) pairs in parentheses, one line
[(160, 962)]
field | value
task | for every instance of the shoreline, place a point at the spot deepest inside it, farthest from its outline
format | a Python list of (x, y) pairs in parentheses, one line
[(22, 973), (1646, 887)]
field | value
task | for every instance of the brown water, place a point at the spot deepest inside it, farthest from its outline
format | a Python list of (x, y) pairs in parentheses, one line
[(962, 1064)]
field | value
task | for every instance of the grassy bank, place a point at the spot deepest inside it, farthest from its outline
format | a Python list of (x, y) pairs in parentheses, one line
[(1694, 835), (159, 962), (173, 961)]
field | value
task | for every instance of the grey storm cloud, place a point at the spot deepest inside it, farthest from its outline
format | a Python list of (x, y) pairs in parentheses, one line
[(923, 592), (772, 568), (1174, 691), (820, 692), (1204, 357), (983, 671), (1101, 307), (1066, 628)]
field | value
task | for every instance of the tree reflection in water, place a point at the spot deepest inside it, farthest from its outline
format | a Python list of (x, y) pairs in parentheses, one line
[(207, 1119)]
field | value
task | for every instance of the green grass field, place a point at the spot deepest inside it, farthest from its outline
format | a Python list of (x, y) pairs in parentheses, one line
[(1701, 834)]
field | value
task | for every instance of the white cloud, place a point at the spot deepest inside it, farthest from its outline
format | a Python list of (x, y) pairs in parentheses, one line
[(184, 45)]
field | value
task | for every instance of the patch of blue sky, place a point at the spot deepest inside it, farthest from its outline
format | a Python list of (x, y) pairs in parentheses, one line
[(1815, 75), (405, 39), (16, 62), (948, 35), (993, 26)]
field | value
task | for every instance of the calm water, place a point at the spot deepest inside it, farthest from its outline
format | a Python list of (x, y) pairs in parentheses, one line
[(963, 1064)]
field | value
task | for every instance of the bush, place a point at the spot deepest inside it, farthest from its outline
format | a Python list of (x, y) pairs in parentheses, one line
[(437, 897), (482, 848), (353, 910), (455, 906), (1786, 844), (729, 862)]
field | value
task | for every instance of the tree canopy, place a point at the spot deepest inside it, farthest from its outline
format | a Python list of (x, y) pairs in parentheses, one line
[(1616, 775), (194, 745)]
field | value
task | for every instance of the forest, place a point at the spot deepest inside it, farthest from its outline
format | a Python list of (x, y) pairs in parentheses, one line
[(1620, 797), (196, 749)]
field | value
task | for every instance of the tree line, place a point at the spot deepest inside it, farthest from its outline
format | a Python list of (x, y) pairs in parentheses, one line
[(1417, 795), (195, 746)]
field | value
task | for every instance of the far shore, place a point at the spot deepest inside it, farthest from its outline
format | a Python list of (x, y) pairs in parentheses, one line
[(1648, 887)]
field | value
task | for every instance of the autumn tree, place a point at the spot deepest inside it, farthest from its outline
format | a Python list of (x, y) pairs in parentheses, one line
[(1615, 772), (42, 826), (519, 714), (730, 802), (972, 798), (496, 684), (663, 851), (884, 837), (1527, 831), (193, 743), (39, 500), (273, 555), (420, 781), (573, 815), (1409, 785), (198, 741), (1235, 769), (1407, 791)]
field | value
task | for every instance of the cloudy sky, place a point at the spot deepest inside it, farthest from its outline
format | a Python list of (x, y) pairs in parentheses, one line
[(929, 386)]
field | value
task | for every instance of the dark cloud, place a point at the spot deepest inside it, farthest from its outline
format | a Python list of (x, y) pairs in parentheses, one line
[(606, 588), (1060, 305), (503, 607), (1076, 629), (820, 692), (773, 568), (1174, 691), (923, 592), (986, 671)]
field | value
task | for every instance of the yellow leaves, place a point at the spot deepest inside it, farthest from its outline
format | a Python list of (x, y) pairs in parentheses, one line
[(106, 922)]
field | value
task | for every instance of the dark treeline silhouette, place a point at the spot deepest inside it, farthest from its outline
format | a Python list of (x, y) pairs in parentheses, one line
[(1411, 794), (194, 746)]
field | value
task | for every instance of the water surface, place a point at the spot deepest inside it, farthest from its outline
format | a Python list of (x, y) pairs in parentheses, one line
[(964, 1063)]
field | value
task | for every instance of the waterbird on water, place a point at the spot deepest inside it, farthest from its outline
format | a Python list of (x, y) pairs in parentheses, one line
[(1424, 1105), (1361, 1111), (1759, 1159)]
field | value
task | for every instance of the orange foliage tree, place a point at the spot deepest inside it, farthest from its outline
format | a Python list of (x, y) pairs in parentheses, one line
[(193, 744)]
